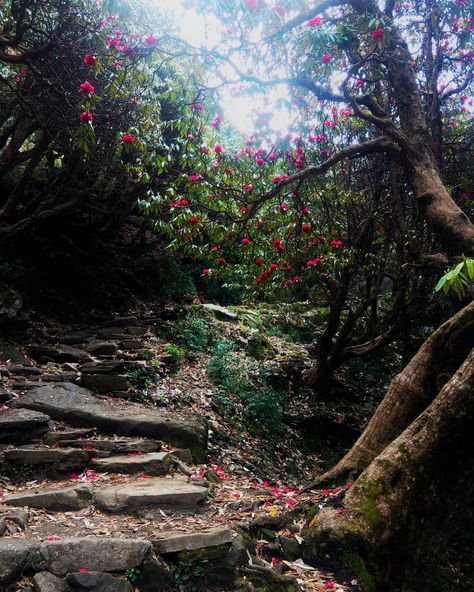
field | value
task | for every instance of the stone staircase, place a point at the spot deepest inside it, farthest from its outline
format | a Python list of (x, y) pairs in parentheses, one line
[(103, 493)]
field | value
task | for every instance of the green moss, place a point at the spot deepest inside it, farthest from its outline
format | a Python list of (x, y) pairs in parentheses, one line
[(404, 450), (369, 511), (356, 565)]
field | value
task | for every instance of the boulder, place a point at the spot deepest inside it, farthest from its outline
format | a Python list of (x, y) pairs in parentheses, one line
[(47, 582), (78, 406), (165, 493), (16, 557), (74, 497), (156, 463)]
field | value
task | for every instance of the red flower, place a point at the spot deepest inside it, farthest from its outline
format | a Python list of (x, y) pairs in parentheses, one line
[(465, 196), (89, 60), (283, 207), (85, 117), (305, 227), (220, 260), (313, 262), (193, 220), (245, 241), (259, 161), (326, 58), (278, 245), (217, 148), (251, 5), (204, 150), (196, 178), (259, 223), (86, 87), (128, 138), (150, 40), (247, 187), (258, 262), (336, 243), (206, 272), (315, 22), (377, 35)]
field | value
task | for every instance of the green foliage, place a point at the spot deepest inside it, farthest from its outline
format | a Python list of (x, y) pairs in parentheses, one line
[(242, 385), (177, 282), (132, 574), (176, 357), (357, 566), (192, 333), (458, 279), (186, 572)]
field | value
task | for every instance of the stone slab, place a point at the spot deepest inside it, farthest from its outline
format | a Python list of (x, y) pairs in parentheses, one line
[(165, 493), (75, 497), (153, 463), (78, 406), (175, 541)]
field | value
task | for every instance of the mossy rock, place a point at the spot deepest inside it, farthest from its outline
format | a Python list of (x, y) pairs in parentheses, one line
[(266, 580), (259, 347)]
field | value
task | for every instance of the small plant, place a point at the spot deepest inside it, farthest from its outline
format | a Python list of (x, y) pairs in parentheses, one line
[(176, 355), (132, 574), (458, 279), (187, 571), (193, 333)]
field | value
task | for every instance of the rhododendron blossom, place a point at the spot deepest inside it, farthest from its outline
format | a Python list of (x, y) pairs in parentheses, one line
[(89, 60), (150, 40), (128, 138), (86, 88), (326, 58), (86, 117)]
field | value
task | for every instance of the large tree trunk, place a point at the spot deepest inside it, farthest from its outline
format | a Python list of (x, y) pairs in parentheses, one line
[(399, 509), (410, 392)]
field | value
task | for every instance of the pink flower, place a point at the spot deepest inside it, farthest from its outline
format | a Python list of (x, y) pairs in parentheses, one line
[(465, 196), (89, 60), (283, 207), (206, 272), (326, 58), (85, 117), (329, 586), (259, 161), (52, 538), (204, 150), (251, 5), (86, 87), (196, 178), (315, 22), (271, 157), (377, 35), (216, 122), (217, 148), (150, 40), (247, 187), (128, 138), (336, 243), (313, 262), (245, 241)]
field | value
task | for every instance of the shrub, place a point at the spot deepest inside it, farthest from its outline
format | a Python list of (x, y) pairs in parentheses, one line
[(193, 333), (176, 357), (242, 384)]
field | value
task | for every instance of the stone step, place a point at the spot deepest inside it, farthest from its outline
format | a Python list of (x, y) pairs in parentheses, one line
[(18, 425), (175, 541), (94, 581), (74, 497), (105, 383), (54, 437), (155, 463), (64, 556), (80, 407), (62, 458), (60, 353), (164, 493), (115, 445)]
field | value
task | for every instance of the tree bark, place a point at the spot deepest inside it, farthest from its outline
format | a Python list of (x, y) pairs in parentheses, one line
[(400, 508), (409, 394)]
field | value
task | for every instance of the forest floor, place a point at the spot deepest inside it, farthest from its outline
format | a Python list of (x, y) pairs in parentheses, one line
[(244, 485)]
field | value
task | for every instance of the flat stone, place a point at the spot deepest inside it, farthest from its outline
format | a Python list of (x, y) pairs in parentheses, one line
[(64, 458), (21, 424), (128, 321), (115, 445), (102, 554), (137, 331), (104, 367), (166, 493), (61, 353), (78, 406), (115, 333), (155, 463), (76, 338), (96, 581), (16, 557), (220, 312), (23, 370), (175, 541), (102, 348), (61, 435), (104, 383), (131, 344), (47, 582), (75, 497), (4, 395)]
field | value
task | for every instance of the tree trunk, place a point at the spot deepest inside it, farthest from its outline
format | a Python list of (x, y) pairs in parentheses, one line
[(409, 393), (401, 507)]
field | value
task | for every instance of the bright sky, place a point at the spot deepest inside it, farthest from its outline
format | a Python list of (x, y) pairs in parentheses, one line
[(200, 31)]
